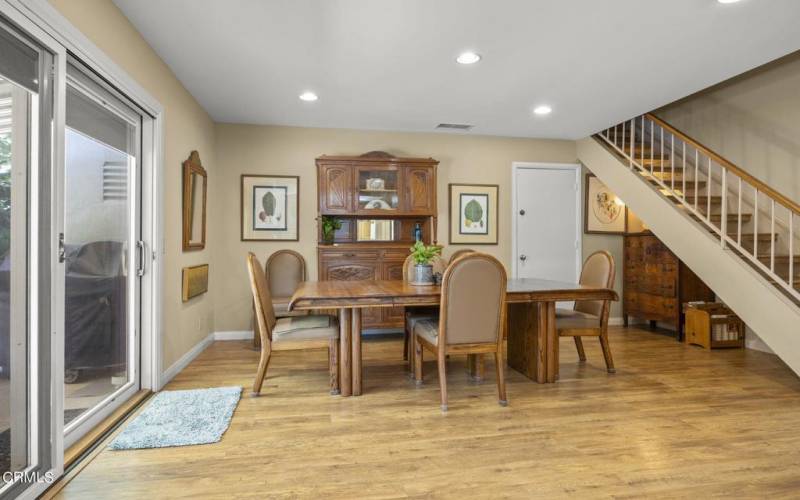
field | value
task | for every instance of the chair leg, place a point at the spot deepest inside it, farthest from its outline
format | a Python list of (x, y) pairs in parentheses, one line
[(442, 380), (333, 365), (256, 330), (500, 369), (579, 347), (263, 363), (417, 360), (607, 353), (406, 354)]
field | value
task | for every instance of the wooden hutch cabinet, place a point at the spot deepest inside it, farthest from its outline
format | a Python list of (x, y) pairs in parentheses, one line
[(657, 283), (380, 201)]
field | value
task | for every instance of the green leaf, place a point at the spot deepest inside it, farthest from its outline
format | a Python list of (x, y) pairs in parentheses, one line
[(473, 211)]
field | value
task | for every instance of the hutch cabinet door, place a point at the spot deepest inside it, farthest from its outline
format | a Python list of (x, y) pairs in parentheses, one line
[(420, 190), (378, 190), (335, 188)]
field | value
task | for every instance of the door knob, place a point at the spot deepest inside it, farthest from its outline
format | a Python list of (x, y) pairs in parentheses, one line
[(522, 212), (523, 257)]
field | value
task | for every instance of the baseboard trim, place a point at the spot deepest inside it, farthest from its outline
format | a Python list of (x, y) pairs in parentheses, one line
[(184, 360), (234, 335)]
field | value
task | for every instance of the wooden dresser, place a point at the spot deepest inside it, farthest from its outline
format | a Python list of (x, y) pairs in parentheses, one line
[(656, 283), (379, 200)]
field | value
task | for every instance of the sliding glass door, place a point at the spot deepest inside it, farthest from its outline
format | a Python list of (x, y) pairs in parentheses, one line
[(103, 252), (26, 260)]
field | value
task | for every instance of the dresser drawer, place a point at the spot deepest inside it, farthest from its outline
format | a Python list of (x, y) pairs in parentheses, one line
[(349, 254), (395, 254)]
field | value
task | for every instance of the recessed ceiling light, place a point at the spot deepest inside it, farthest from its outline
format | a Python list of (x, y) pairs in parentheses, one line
[(544, 109), (468, 58), (727, 1), (308, 96)]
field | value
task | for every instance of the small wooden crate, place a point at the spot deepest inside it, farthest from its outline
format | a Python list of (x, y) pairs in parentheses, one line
[(712, 325)]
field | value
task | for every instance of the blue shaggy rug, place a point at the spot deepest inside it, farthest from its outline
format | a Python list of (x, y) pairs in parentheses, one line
[(181, 418)]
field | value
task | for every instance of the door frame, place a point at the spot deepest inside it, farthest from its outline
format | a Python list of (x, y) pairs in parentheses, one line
[(48, 19), (523, 165)]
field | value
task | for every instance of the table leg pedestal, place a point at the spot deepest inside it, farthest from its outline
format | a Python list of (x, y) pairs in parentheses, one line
[(356, 354), (532, 341), (345, 369)]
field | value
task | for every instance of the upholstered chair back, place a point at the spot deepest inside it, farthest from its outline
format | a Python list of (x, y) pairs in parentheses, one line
[(598, 270), (286, 269), (473, 300), (459, 253)]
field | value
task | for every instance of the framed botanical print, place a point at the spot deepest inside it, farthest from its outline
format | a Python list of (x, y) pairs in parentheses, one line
[(603, 211), (473, 214), (270, 207)]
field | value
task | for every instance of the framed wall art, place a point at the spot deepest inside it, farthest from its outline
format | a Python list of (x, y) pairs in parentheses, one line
[(473, 214), (603, 211), (270, 207)]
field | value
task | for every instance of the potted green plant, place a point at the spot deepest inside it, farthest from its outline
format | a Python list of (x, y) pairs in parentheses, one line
[(423, 256), (330, 225)]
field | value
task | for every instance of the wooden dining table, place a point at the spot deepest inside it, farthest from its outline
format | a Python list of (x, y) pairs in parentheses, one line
[(532, 340)]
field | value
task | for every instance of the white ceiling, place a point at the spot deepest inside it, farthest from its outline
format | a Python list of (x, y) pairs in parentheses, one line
[(390, 64)]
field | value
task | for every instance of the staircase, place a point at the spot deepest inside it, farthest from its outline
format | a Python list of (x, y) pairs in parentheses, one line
[(739, 235)]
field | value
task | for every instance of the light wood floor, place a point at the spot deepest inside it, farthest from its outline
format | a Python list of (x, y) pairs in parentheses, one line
[(674, 421)]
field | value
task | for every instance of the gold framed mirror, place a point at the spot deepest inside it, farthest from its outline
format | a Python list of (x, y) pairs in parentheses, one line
[(194, 203)]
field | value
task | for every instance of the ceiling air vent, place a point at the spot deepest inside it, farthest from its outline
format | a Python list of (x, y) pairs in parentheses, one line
[(454, 126)]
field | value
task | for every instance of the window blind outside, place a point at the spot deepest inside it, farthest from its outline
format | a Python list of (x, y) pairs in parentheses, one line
[(19, 62), (90, 118)]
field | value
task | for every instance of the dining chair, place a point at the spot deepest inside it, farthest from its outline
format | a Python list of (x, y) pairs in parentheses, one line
[(285, 270), (459, 253), (589, 318), (471, 319), (414, 314), (289, 333)]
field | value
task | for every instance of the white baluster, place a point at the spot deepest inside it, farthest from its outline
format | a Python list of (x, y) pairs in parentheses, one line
[(755, 223), (724, 208), (791, 248), (672, 160), (633, 142), (772, 235), (739, 220), (696, 177), (642, 152), (683, 177), (708, 192)]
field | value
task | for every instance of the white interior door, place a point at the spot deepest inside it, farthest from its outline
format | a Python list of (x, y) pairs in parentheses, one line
[(547, 234)]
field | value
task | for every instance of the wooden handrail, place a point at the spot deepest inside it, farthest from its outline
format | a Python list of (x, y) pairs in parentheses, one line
[(763, 188)]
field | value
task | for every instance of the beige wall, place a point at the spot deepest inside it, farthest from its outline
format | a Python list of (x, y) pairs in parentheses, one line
[(292, 150), (188, 127), (753, 120)]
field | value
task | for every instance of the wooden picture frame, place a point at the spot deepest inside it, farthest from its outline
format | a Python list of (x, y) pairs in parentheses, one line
[(194, 224), (277, 216), (195, 281), (480, 199), (609, 215)]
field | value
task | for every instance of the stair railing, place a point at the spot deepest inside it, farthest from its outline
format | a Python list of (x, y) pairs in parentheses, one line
[(648, 144)]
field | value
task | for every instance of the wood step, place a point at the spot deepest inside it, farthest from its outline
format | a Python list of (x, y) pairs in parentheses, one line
[(702, 200), (732, 218), (678, 183), (717, 218), (657, 162), (763, 253)]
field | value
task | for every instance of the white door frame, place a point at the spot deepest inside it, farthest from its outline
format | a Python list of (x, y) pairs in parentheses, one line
[(46, 17), (521, 165)]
